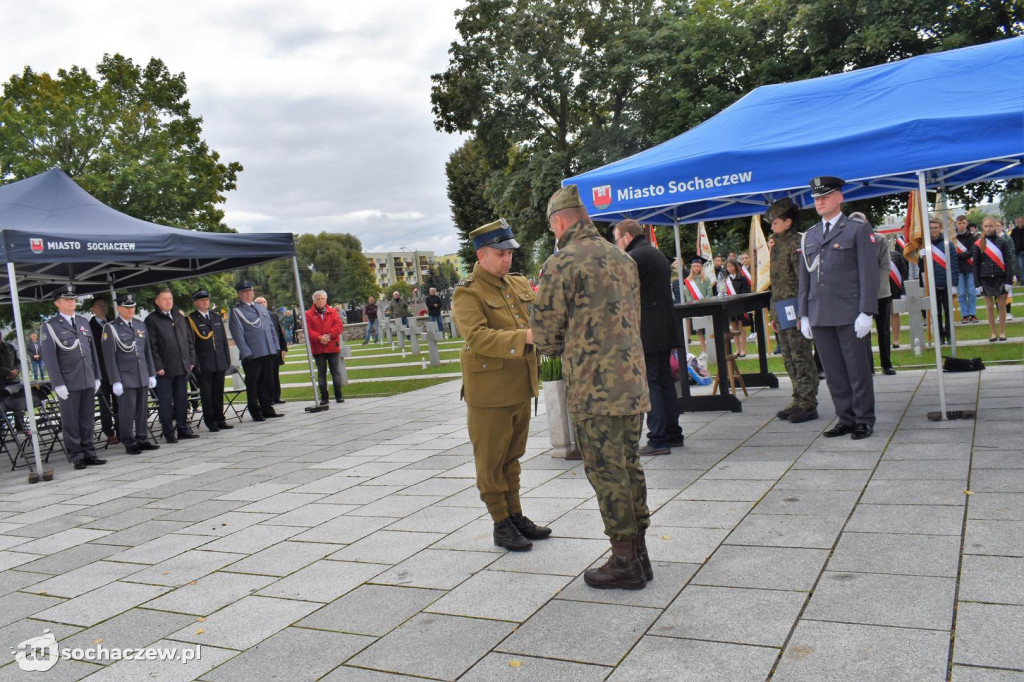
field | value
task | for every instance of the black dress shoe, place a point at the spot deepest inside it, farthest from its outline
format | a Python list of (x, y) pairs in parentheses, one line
[(80, 464), (888, 371), (171, 438), (212, 428), (861, 431), (839, 429), (224, 425), (256, 419), (187, 435), (324, 401), (271, 415), (529, 529), (508, 536), (132, 450), (280, 402), (339, 400), (146, 445), (94, 461), (801, 416)]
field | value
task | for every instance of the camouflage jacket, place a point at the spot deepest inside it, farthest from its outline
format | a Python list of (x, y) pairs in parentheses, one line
[(785, 266), (588, 311)]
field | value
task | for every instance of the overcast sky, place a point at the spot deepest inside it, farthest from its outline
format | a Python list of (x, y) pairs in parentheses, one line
[(326, 104)]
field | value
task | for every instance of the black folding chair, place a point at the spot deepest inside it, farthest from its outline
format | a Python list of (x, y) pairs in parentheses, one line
[(233, 396)]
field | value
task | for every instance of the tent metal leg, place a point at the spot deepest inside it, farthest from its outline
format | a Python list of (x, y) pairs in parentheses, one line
[(954, 262), (679, 255), (932, 294), (25, 376), (317, 398)]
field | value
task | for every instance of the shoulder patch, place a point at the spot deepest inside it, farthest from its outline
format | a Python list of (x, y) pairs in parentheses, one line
[(466, 281)]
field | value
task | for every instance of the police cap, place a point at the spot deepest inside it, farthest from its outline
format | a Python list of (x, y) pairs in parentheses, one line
[(202, 293), (66, 291), (497, 235), (125, 301), (825, 184), (243, 285)]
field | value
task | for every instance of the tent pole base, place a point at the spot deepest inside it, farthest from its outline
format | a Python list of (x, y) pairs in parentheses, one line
[(952, 414), (34, 477), (318, 408)]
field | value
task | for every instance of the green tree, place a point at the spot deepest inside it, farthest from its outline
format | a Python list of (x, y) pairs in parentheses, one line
[(330, 261)]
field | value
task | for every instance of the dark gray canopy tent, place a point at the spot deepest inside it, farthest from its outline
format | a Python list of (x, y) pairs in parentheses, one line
[(55, 233)]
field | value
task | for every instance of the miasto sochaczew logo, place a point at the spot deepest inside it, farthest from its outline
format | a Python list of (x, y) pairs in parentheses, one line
[(603, 196), (37, 244)]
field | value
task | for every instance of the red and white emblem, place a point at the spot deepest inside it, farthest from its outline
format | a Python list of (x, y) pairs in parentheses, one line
[(603, 196), (36, 244)]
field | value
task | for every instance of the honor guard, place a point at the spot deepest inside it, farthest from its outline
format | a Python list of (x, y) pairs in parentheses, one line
[(69, 353), (499, 376), (256, 340), (838, 297), (212, 359), (129, 362)]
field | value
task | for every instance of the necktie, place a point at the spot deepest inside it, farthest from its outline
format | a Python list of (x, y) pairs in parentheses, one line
[(827, 228)]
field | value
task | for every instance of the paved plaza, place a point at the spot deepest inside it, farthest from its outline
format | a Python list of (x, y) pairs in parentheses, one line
[(351, 545)]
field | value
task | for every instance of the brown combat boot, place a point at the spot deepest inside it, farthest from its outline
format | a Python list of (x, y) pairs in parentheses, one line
[(640, 542), (622, 570)]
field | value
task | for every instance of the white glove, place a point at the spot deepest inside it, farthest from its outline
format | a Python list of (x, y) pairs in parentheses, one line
[(96, 386), (805, 327), (62, 392), (978, 291), (118, 388), (862, 325), (152, 382), (1008, 288)]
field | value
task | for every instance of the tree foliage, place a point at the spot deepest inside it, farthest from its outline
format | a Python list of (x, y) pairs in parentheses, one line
[(330, 261), (547, 90)]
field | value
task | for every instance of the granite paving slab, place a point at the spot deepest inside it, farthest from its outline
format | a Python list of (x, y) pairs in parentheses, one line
[(661, 658)]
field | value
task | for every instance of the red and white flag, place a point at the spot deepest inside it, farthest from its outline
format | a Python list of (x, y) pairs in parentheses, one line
[(994, 253), (693, 289)]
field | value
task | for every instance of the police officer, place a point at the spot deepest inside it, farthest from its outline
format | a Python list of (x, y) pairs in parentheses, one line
[(838, 297), (256, 339), (796, 350), (588, 311), (106, 397), (69, 353), (212, 359), (499, 376), (174, 356), (129, 362)]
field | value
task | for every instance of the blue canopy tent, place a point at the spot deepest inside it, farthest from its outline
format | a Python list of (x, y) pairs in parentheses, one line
[(937, 121), (55, 233)]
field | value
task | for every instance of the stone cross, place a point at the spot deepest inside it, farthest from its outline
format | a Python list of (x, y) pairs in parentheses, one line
[(451, 323), (432, 335), (414, 336), (386, 324), (345, 352), (914, 302), (402, 330)]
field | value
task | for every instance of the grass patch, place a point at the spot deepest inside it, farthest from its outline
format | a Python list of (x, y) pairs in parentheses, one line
[(373, 390)]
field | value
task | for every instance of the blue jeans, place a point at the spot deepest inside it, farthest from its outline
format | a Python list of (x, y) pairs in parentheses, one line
[(437, 319), (38, 373), (289, 335), (968, 297), (372, 328), (663, 419)]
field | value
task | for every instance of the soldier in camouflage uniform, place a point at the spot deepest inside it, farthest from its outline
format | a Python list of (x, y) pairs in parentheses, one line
[(796, 349), (499, 376), (588, 311)]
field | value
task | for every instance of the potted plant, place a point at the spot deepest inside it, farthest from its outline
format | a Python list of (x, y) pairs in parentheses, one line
[(563, 441)]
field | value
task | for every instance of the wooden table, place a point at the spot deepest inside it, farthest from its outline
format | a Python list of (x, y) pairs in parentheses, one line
[(721, 311)]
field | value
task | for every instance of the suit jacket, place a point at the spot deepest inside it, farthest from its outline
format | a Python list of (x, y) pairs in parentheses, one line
[(33, 349), (97, 333), (170, 339), (884, 261), (128, 355), (839, 273), (253, 331), (658, 328), (69, 353), (212, 354)]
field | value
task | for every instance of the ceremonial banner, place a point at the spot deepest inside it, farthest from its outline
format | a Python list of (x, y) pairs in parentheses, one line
[(913, 230), (760, 258), (704, 248)]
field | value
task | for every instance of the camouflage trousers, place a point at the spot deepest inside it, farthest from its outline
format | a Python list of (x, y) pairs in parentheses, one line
[(799, 361), (610, 447)]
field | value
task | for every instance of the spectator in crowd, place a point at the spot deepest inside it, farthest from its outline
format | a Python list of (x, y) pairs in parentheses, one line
[(695, 288), (289, 326), (962, 243), (10, 363), (1017, 238), (944, 273), (898, 273), (433, 302), (35, 357), (324, 326), (372, 324), (1013, 258), (174, 356), (993, 273), (735, 284), (399, 308), (719, 262)]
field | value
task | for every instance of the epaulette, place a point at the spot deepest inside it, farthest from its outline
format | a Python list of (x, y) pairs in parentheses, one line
[(468, 280)]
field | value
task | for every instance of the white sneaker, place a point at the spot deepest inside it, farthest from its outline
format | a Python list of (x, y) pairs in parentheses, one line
[(752, 336), (1009, 316)]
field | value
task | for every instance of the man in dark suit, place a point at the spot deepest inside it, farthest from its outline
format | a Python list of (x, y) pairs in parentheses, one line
[(659, 334), (174, 356), (107, 400), (212, 359), (839, 278)]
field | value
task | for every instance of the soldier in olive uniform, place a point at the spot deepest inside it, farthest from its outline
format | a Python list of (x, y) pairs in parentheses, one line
[(588, 311), (129, 362), (69, 353), (796, 350), (212, 359), (499, 376), (838, 297)]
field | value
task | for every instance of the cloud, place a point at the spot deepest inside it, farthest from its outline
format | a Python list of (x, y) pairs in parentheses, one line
[(326, 105)]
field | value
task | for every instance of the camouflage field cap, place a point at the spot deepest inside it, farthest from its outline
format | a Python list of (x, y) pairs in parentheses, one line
[(497, 235), (825, 184), (783, 208), (565, 197)]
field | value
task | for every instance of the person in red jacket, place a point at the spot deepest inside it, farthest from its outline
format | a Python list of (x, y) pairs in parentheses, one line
[(324, 326)]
